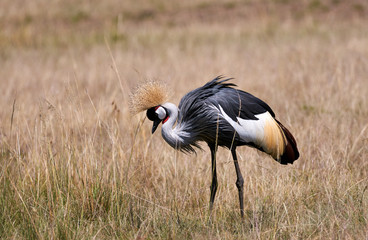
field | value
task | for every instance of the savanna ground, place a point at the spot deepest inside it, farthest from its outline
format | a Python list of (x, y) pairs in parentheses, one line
[(74, 164)]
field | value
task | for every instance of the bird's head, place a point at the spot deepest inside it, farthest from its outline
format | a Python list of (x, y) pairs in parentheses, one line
[(157, 115)]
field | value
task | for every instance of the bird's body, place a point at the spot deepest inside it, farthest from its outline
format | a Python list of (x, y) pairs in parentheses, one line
[(221, 115)]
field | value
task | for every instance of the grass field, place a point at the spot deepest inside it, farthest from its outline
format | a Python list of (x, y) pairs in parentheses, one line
[(74, 164)]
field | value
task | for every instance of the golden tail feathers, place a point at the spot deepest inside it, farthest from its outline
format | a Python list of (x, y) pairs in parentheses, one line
[(279, 142)]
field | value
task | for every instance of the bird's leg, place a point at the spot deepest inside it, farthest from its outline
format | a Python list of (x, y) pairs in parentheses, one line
[(239, 182), (214, 177)]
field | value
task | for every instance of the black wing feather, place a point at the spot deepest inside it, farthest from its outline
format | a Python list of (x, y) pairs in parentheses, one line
[(236, 103)]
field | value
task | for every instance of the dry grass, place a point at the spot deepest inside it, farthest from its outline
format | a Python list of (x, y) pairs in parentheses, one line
[(74, 164)]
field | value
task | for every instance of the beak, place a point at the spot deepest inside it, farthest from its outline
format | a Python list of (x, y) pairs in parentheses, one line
[(155, 125)]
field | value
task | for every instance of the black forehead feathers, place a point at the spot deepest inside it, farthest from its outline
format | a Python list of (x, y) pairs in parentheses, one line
[(151, 114)]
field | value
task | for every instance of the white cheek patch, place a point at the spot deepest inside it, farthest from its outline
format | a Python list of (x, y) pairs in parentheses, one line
[(161, 113)]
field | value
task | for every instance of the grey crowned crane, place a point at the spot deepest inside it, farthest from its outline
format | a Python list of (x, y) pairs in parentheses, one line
[(219, 115)]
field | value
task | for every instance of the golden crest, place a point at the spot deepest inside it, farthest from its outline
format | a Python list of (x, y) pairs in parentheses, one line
[(148, 95)]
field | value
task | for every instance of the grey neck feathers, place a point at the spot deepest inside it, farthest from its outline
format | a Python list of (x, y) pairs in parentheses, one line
[(174, 136)]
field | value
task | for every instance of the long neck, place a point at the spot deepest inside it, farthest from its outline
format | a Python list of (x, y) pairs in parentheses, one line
[(173, 136)]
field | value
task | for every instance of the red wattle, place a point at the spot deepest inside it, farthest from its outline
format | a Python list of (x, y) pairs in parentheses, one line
[(167, 118)]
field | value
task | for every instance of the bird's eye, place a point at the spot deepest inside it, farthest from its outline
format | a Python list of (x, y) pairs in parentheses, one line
[(161, 113)]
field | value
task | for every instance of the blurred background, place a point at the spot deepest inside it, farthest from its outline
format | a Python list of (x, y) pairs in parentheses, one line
[(75, 164)]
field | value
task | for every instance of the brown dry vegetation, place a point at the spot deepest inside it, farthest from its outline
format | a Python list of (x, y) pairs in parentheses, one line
[(75, 165)]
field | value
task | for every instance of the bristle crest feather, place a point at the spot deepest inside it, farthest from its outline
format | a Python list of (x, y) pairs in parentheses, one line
[(148, 95)]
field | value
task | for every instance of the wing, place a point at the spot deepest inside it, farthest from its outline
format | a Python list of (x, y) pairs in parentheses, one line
[(217, 92)]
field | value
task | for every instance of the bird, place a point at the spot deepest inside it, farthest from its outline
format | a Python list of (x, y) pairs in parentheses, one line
[(219, 114)]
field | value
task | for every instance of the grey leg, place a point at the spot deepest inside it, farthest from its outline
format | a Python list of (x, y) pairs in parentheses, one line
[(239, 182), (214, 177)]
